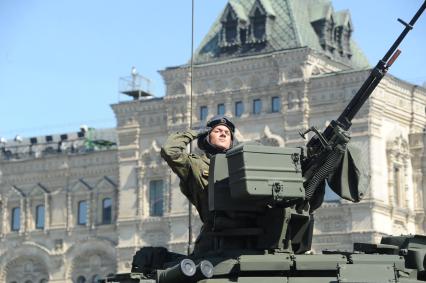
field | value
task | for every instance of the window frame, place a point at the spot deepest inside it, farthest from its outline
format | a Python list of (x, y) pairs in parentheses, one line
[(154, 209), (220, 106), (38, 217), (79, 212), (259, 25), (278, 100), (257, 106), (15, 217), (236, 110), (203, 116), (108, 210), (230, 29)]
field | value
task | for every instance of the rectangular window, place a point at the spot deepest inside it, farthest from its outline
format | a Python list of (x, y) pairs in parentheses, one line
[(257, 106), (156, 198), (82, 212), (16, 219), (107, 211), (221, 109), (239, 108), (40, 217), (203, 113), (276, 104)]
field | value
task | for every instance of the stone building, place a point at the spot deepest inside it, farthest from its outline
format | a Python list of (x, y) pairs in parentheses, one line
[(75, 209)]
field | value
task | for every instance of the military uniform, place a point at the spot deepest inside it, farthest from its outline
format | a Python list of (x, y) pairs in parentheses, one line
[(193, 172)]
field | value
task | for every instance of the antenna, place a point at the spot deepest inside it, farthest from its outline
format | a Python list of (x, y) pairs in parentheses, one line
[(190, 123)]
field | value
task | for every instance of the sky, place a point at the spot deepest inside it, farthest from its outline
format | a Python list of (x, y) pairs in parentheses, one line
[(60, 61)]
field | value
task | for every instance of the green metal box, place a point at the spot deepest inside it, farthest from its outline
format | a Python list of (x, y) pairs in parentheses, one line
[(257, 172)]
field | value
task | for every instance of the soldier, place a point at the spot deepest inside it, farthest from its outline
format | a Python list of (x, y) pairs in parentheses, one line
[(218, 137), (193, 169)]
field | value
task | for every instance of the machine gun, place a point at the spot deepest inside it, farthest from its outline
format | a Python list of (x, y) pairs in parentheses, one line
[(325, 150)]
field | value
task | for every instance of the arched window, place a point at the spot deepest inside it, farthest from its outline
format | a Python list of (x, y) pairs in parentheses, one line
[(230, 26), (40, 217), (259, 25), (156, 198), (81, 279), (16, 219), (82, 213), (106, 211)]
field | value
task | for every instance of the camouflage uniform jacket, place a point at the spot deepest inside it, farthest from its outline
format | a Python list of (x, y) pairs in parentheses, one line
[(192, 169)]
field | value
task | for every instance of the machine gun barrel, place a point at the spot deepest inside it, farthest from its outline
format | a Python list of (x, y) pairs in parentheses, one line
[(323, 157), (344, 120)]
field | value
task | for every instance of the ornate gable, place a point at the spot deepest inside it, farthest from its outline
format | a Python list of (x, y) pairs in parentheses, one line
[(323, 24), (106, 185), (343, 33), (14, 193), (260, 16), (80, 187), (234, 29), (333, 29), (38, 191)]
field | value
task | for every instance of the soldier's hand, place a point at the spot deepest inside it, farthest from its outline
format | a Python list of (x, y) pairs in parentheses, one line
[(202, 130)]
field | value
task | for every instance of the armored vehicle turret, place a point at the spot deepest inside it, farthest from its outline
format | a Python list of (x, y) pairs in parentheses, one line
[(262, 232)]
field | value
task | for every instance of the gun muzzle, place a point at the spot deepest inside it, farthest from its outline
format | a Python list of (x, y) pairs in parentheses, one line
[(181, 272), (204, 270)]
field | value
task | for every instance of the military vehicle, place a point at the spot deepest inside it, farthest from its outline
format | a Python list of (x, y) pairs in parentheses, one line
[(261, 234), (261, 201)]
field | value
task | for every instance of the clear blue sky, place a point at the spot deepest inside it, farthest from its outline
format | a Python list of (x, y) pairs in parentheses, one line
[(60, 61)]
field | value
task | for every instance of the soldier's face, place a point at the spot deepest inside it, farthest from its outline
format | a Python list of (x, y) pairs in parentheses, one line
[(220, 136)]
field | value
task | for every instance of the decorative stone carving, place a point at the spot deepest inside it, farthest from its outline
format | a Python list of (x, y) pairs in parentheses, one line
[(398, 158), (151, 156), (271, 139)]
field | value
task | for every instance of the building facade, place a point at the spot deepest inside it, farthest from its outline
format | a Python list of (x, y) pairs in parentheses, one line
[(77, 209)]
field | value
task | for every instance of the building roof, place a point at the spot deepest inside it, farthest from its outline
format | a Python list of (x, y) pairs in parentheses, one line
[(290, 25), (59, 144)]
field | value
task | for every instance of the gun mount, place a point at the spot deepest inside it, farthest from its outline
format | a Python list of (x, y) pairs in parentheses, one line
[(256, 198)]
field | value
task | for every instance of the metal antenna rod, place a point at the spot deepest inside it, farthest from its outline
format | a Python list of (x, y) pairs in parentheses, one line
[(190, 124)]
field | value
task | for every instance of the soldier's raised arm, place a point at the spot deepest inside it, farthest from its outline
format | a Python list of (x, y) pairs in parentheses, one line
[(174, 152)]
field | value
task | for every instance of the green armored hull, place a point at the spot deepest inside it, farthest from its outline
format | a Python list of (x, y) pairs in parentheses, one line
[(369, 263)]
